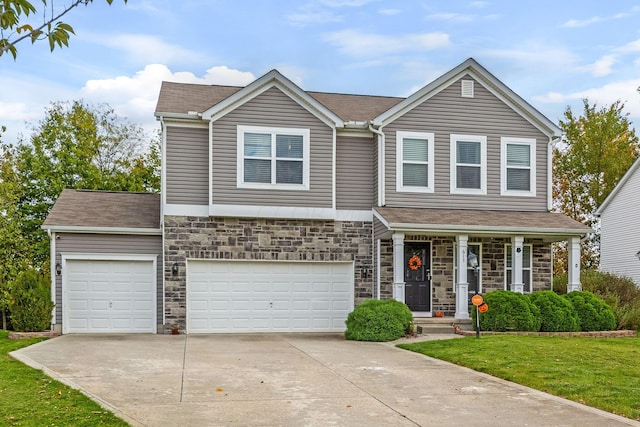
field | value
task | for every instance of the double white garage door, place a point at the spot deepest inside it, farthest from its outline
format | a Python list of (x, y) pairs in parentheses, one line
[(251, 296), (104, 296)]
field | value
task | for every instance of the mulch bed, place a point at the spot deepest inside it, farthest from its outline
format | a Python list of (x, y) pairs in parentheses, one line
[(594, 334), (21, 335)]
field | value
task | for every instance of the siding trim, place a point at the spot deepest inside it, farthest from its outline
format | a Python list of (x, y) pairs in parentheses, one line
[(186, 210), (104, 230), (52, 263)]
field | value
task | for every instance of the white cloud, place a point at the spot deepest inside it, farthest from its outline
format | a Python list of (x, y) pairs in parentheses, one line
[(456, 17), (479, 4), (536, 56), (624, 90), (345, 3), (304, 18), (146, 49), (359, 44), (135, 96), (389, 12), (630, 47), (603, 66), (577, 23)]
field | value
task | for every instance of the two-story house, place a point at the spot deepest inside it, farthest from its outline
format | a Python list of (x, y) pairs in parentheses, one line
[(282, 209)]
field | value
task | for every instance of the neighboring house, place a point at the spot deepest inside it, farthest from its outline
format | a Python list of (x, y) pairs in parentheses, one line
[(282, 209), (620, 227)]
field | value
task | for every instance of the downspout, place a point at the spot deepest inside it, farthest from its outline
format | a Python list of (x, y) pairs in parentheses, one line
[(552, 142), (381, 164), (52, 267), (162, 202)]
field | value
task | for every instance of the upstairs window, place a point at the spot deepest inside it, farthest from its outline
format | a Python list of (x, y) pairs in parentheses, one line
[(414, 156), (276, 158), (518, 167), (468, 164)]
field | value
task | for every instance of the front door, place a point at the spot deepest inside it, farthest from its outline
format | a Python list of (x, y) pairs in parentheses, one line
[(417, 276)]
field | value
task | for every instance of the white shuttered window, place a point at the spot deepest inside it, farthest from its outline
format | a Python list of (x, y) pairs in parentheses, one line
[(273, 158), (517, 161), (414, 154)]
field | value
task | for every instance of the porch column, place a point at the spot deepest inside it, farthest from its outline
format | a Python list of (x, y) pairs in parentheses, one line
[(573, 268), (517, 249), (462, 286), (398, 266)]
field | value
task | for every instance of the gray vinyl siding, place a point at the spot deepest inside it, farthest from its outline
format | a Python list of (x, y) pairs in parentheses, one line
[(272, 109), (354, 169), (187, 166), (380, 231), (448, 113), (620, 231), (109, 244), (375, 170)]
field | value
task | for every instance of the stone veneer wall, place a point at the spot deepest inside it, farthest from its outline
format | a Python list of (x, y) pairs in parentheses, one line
[(261, 239), (442, 257)]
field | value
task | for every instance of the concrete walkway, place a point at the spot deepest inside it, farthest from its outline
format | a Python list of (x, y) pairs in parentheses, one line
[(291, 380)]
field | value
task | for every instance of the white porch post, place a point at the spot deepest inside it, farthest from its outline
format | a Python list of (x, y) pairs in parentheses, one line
[(462, 286), (398, 267), (574, 265), (517, 249)]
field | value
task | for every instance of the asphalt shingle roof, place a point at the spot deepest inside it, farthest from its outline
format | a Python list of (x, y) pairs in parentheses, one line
[(118, 209)]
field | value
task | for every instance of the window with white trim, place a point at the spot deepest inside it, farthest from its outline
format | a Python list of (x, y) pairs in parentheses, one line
[(526, 267), (468, 164), (414, 154), (276, 158), (517, 166), (476, 248)]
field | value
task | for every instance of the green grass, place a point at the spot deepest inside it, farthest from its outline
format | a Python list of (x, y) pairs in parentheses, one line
[(30, 398), (600, 372)]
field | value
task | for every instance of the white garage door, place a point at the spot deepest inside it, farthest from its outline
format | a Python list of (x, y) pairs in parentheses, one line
[(109, 296), (239, 296)]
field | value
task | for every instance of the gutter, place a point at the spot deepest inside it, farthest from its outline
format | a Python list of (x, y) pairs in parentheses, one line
[(102, 230), (381, 163)]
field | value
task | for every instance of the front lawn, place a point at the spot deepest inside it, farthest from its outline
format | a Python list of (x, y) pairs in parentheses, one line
[(599, 372), (30, 398)]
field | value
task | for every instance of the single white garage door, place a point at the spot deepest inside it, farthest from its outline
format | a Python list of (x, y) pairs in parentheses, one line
[(253, 296), (109, 296)]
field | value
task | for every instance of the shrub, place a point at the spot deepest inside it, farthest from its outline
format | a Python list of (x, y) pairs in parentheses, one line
[(508, 311), (30, 302), (556, 313), (378, 320), (560, 283), (593, 313)]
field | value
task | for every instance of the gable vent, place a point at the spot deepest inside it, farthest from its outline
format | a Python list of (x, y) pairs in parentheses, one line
[(467, 88)]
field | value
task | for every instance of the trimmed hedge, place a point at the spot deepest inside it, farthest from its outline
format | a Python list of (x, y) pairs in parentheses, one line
[(378, 320), (508, 311), (593, 313), (556, 313)]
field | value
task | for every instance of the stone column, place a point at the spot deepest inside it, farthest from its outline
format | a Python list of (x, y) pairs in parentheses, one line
[(462, 286), (573, 269), (517, 250), (398, 267)]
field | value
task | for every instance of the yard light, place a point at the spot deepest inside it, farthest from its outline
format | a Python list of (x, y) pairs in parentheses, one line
[(58, 269), (472, 261), (174, 269)]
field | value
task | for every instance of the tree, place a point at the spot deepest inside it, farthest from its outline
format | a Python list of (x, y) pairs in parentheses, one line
[(600, 146), (14, 12), (80, 147)]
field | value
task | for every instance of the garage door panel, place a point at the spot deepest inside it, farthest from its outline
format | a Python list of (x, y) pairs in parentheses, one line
[(110, 296), (249, 296)]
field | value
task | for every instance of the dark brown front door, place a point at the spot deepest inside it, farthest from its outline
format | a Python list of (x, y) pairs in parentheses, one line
[(417, 276)]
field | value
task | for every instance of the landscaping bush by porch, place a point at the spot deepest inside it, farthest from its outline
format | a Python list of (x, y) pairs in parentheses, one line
[(378, 320), (508, 311), (556, 313), (593, 313)]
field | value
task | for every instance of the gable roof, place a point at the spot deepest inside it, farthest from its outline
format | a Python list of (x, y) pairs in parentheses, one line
[(634, 167), (182, 100), (90, 210), (474, 69)]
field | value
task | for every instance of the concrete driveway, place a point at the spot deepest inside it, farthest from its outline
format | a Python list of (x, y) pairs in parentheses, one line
[(291, 380)]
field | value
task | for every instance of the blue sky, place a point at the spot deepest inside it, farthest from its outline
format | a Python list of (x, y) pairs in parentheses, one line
[(552, 53)]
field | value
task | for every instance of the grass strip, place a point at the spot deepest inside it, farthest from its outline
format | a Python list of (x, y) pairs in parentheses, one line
[(600, 372), (28, 397)]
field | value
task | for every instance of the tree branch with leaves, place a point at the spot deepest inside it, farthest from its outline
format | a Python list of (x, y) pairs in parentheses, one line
[(14, 29)]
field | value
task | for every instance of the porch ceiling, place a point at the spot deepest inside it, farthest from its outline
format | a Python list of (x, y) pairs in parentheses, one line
[(547, 225)]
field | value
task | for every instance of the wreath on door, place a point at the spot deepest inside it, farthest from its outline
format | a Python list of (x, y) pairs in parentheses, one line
[(415, 262)]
